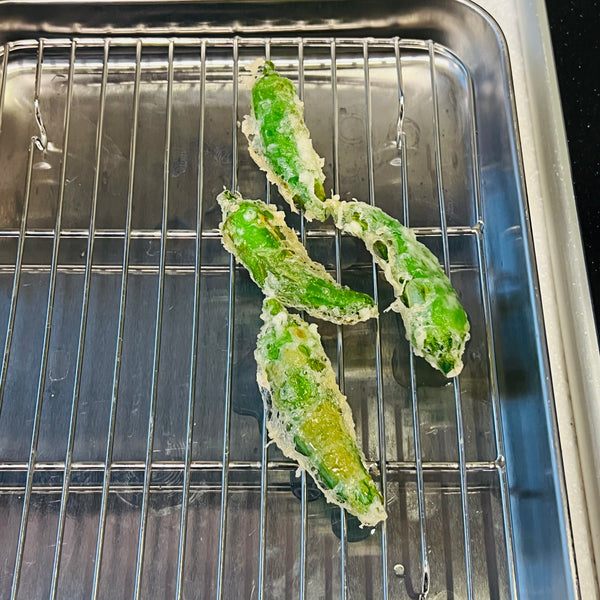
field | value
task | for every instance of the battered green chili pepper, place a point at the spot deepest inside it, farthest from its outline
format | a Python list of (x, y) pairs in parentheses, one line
[(436, 323), (280, 144), (308, 416), (256, 234)]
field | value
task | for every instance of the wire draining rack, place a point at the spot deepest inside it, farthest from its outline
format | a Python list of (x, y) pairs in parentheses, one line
[(134, 456)]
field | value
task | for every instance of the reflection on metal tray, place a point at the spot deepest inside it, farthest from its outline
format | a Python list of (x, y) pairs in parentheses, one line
[(132, 444)]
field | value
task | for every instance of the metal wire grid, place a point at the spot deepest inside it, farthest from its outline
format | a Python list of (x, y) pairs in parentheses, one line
[(109, 468)]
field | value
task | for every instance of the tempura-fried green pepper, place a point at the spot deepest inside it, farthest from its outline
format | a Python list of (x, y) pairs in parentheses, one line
[(436, 323), (256, 234), (280, 144), (308, 416)]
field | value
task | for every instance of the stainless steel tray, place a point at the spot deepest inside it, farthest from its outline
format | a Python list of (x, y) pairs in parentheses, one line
[(132, 447)]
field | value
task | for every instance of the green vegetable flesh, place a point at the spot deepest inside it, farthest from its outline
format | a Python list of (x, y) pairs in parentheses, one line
[(259, 238), (309, 417), (280, 143), (436, 323)]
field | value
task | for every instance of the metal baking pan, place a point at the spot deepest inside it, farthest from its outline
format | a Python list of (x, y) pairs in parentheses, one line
[(133, 455)]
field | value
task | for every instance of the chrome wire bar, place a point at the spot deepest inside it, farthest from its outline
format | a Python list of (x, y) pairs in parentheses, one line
[(4, 75), (157, 333), (72, 269), (230, 341), (82, 333), (338, 275), (22, 231), (121, 325), (262, 536), (264, 451), (189, 434), (207, 234), (456, 381), (267, 43), (222, 42), (378, 354), (303, 476), (236, 465), (47, 327), (416, 420)]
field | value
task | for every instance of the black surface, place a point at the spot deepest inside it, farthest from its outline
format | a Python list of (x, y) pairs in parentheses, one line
[(575, 30)]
